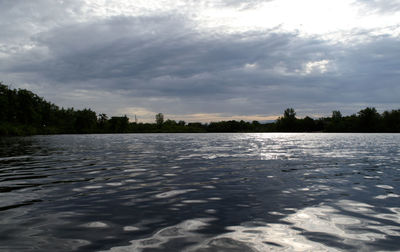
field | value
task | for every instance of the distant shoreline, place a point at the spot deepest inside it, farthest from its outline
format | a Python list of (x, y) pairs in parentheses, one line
[(24, 113), (196, 133)]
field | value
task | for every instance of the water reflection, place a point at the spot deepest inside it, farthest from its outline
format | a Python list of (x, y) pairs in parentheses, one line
[(211, 192), (343, 225)]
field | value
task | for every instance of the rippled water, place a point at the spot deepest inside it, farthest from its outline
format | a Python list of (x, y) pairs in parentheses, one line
[(200, 192)]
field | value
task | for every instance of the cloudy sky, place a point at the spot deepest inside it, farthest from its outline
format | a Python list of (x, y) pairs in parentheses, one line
[(203, 60)]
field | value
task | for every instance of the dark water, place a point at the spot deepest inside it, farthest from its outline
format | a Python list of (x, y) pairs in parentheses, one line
[(200, 192)]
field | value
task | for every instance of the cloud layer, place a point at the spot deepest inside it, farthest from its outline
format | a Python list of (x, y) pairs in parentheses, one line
[(148, 59)]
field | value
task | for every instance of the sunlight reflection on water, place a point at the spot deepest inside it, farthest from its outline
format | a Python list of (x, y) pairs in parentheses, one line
[(343, 225), (347, 225), (200, 192)]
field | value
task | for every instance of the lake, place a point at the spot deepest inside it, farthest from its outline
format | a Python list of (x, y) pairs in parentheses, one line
[(200, 192)]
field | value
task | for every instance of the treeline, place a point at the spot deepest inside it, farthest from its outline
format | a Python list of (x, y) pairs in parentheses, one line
[(366, 120), (24, 113)]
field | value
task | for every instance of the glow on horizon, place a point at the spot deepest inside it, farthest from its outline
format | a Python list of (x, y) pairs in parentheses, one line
[(146, 116)]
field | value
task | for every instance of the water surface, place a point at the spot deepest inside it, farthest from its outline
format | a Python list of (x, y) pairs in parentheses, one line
[(200, 192)]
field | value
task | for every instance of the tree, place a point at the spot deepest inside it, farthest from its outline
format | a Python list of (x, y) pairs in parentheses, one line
[(159, 119), (3, 102), (391, 120), (336, 115), (289, 114), (369, 119), (119, 124), (85, 121), (307, 124), (288, 121), (102, 120), (335, 123)]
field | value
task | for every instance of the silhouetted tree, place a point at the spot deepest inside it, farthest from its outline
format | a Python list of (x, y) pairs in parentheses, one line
[(369, 120), (102, 122), (3, 102), (336, 115), (85, 121), (196, 127), (159, 119), (391, 121), (23, 112), (119, 124), (288, 121), (335, 124), (289, 114), (307, 124)]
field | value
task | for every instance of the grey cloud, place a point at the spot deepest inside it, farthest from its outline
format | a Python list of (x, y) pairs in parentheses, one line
[(240, 4), (182, 70), (237, 4), (382, 6), (153, 47), (372, 69), (20, 19)]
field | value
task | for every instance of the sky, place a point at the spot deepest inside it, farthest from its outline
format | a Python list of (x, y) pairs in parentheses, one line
[(203, 60)]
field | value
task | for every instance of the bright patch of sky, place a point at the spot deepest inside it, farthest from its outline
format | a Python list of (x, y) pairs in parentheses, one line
[(333, 19)]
